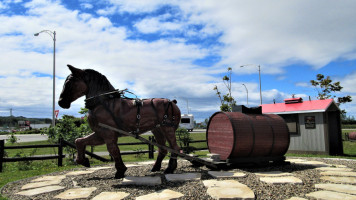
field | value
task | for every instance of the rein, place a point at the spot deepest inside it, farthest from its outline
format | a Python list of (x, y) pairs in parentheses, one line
[(92, 102)]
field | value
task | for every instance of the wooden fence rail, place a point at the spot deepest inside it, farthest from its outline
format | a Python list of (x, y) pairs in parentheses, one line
[(62, 143)]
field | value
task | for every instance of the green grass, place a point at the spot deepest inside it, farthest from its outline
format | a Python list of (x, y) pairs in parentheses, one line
[(11, 171)]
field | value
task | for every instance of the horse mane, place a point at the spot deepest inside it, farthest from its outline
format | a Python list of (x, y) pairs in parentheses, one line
[(97, 83)]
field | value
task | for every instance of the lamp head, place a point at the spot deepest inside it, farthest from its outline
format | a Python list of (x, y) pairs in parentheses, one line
[(36, 34)]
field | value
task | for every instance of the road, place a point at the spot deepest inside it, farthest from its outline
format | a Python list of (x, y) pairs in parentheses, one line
[(39, 137), (26, 137)]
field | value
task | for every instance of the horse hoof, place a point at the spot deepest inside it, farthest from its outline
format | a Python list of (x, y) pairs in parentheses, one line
[(156, 168), (169, 171), (119, 175), (86, 162)]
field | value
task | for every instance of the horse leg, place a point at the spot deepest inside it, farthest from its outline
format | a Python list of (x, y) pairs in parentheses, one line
[(114, 151), (161, 152), (80, 143), (171, 138)]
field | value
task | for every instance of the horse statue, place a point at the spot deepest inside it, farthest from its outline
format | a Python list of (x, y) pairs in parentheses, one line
[(108, 106)]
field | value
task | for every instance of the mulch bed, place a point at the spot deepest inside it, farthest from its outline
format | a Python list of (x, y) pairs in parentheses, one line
[(104, 180)]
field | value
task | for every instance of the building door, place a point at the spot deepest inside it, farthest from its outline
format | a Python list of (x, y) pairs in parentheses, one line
[(335, 139)]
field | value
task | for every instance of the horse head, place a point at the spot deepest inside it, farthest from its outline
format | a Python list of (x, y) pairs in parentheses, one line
[(74, 87)]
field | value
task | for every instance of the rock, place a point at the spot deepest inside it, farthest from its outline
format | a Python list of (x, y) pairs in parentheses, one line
[(111, 196), (224, 174), (273, 174), (76, 193), (281, 180), (350, 189), (40, 184), (339, 179), (161, 195), (328, 195), (338, 173), (142, 180), (228, 189), (41, 190), (183, 177)]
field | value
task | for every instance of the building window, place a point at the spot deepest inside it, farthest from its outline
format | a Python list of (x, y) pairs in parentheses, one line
[(292, 123)]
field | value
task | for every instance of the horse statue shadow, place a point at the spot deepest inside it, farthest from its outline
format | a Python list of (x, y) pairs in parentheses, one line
[(108, 106)]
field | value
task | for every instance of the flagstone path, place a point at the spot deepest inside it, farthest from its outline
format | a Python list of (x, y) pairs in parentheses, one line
[(335, 182)]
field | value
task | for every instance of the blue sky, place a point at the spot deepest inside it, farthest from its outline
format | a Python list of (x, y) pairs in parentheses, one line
[(176, 49)]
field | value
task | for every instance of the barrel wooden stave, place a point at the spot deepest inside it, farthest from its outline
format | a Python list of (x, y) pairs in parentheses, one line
[(235, 134)]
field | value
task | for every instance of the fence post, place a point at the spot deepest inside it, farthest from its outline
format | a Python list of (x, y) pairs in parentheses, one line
[(150, 148), (2, 146), (60, 152)]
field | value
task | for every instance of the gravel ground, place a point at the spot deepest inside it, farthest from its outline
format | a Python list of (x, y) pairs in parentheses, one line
[(103, 180)]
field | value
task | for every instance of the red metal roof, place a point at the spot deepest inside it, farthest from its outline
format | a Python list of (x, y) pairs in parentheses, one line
[(303, 107)]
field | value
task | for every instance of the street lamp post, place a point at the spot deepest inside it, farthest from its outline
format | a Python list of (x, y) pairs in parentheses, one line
[(246, 93), (53, 36), (259, 74)]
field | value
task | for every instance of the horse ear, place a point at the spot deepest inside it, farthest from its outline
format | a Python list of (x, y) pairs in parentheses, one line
[(76, 72)]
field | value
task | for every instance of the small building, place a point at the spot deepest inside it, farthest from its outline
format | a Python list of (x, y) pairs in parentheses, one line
[(314, 125)]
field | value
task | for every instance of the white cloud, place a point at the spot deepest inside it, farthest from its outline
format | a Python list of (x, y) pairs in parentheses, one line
[(86, 5), (268, 33), (153, 25), (132, 6)]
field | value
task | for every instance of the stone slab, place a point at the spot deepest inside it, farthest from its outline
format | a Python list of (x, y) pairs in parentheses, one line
[(98, 168), (328, 195), (228, 189), (76, 193), (281, 180), (273, 174), (350, 189), (224, 174), (295, 160), (144, 180), (339, 179), (165, 194), (49, 178), (338, 173), (133, 165), (77, 173), (224, 183), (111, 196), (297, 198), (41, 190), (40, 184), (313, 163), (183, 177), (342, 169)]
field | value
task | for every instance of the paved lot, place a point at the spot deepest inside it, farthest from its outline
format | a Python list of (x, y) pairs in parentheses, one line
[(26, 138)]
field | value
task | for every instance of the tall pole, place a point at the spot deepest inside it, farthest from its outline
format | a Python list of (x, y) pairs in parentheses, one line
[(246, 93), (54, 81), (53, 36), (259, 75)]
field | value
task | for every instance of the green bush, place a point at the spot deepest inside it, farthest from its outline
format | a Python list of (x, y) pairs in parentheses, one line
[(184, 138), (68, 129)]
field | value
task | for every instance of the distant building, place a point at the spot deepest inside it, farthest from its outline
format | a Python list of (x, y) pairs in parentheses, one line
[(314, 126)]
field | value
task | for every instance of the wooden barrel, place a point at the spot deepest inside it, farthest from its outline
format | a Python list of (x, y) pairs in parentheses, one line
[(236, 135), (352, 136)]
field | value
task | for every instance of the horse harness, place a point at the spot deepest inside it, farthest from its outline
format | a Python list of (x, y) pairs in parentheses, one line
[(92, 102)]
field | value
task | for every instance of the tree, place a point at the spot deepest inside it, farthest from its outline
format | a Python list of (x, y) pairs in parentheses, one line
[(326, 89), (69, 128), (227, 101)]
